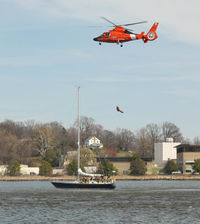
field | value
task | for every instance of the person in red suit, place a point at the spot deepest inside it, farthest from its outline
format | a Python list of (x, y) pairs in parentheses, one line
[(119, 109)]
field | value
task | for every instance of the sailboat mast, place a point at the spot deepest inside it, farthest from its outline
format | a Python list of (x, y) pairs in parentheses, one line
[(78, 131)]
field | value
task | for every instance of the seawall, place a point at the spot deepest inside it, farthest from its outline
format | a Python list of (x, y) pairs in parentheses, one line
[(65, 177)]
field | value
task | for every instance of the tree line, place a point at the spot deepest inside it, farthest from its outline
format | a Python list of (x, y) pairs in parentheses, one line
[(29, 142)]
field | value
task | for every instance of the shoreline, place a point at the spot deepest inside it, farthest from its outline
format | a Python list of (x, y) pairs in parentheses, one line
[(118, 178)]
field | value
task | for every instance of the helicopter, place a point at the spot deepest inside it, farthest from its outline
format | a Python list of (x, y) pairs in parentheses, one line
[(120, 34)]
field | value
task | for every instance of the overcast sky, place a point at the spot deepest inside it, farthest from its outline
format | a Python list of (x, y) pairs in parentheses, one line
[(47, 50)]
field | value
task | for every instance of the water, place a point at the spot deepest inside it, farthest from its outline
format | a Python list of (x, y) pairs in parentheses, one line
[(131, 202)]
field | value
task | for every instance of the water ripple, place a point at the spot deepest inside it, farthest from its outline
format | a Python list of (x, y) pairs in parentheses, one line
[(131, 202)]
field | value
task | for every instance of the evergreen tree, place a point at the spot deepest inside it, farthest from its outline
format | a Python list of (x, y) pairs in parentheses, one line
[(13, 168), (45, 168), (52, 156), (106, 168), (72, 168), (196, 166), (137, 166), (170, 167)]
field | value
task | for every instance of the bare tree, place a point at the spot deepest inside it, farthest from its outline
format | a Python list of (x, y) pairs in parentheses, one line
[(125, 139), (9, 146), (153, 132), (143, 144), (97, 130), (44, 139), (15, 128), (86, 127), (87, 157), (22, 140), (186, 141), (72, 137), (196, 140), (170, 130), (30, 126), (108, 139)]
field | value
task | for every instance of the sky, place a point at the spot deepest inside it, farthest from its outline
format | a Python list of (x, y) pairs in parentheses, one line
[(47, 51)]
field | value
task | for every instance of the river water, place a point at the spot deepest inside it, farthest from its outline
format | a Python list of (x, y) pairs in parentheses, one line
[(131, 202)]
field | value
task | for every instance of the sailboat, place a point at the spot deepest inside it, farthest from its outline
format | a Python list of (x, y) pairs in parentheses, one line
[(85, 180)]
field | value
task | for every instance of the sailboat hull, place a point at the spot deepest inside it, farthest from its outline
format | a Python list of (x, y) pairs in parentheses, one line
[(80, 185)]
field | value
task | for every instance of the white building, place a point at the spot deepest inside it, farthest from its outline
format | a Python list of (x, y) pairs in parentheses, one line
[(164, 151), (26, 170), (3, 170), (90, 169), (93, 142), (58, 171)]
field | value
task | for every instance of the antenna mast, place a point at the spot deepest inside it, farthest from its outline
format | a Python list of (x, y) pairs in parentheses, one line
[(78, 132)]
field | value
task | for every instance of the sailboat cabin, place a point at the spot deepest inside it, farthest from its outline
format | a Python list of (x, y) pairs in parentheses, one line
[(93, 142)]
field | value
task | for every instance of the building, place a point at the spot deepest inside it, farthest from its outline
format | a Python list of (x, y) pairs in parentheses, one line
[(3, 170), (90, 169), (164, 151), (186, 155), (123, 164), (24, 170), (58, 171), (93, 142)]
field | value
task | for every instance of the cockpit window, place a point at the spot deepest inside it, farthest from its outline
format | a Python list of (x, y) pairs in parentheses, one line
[(107, 34)]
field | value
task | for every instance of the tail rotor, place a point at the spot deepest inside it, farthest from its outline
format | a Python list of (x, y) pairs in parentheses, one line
[(151, 35)]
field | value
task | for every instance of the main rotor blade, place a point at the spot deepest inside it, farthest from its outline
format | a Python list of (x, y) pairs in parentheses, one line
[(130, 31), (109, 21), (129, 24), (95, 26)]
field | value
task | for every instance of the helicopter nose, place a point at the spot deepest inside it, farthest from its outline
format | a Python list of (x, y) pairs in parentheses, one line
[(95, 39)]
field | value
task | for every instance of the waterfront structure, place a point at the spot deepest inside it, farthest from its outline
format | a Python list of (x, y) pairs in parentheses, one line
[(90, 169), (58, 171), (186, 155), (3, 170), (164, 151), (93, 142), (24, 170), (123, 164)]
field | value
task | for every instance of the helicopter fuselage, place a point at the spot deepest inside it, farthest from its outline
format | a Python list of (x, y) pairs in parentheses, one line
[(117, 35)]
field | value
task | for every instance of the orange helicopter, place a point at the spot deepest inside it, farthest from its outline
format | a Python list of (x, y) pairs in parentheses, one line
[(120, 34)]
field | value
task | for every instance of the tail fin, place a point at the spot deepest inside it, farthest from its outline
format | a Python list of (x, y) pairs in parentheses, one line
[(151, 35)]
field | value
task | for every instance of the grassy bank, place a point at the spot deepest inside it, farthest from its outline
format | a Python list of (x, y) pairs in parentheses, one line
[(65, 177)]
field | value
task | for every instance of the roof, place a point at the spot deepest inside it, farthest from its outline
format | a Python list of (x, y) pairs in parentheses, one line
[(188, 148), (121, 159), (91, 137)]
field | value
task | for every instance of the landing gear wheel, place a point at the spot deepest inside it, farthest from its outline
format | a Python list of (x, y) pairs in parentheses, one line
[(121, 45), (99, 43)]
